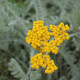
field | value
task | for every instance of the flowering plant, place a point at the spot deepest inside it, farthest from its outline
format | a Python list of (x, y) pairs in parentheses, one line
[(39, 38)]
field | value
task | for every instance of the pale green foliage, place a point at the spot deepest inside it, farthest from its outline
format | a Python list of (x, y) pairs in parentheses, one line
[(12, 26), (16, 69), (70, 59), (35, 75), (63, 78)]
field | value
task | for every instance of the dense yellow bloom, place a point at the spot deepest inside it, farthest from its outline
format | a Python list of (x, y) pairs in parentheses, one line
[(38, 35), (39, 38), (43, 61), (59, 33)]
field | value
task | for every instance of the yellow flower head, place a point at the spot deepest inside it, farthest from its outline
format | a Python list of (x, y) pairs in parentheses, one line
[(39, 38), (43, 61)]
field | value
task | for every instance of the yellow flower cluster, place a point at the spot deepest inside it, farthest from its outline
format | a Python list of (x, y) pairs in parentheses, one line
[(59, 33), (43, 61), (39, 36)]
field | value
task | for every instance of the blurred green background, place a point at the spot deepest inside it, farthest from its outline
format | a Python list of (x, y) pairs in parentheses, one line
[(16, 18)]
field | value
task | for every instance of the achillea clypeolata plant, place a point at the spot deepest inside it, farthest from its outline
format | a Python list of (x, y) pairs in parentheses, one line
[(39, 38)]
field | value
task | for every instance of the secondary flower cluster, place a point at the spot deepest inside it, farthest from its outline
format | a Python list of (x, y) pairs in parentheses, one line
[(39, 38), (43, 61)]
